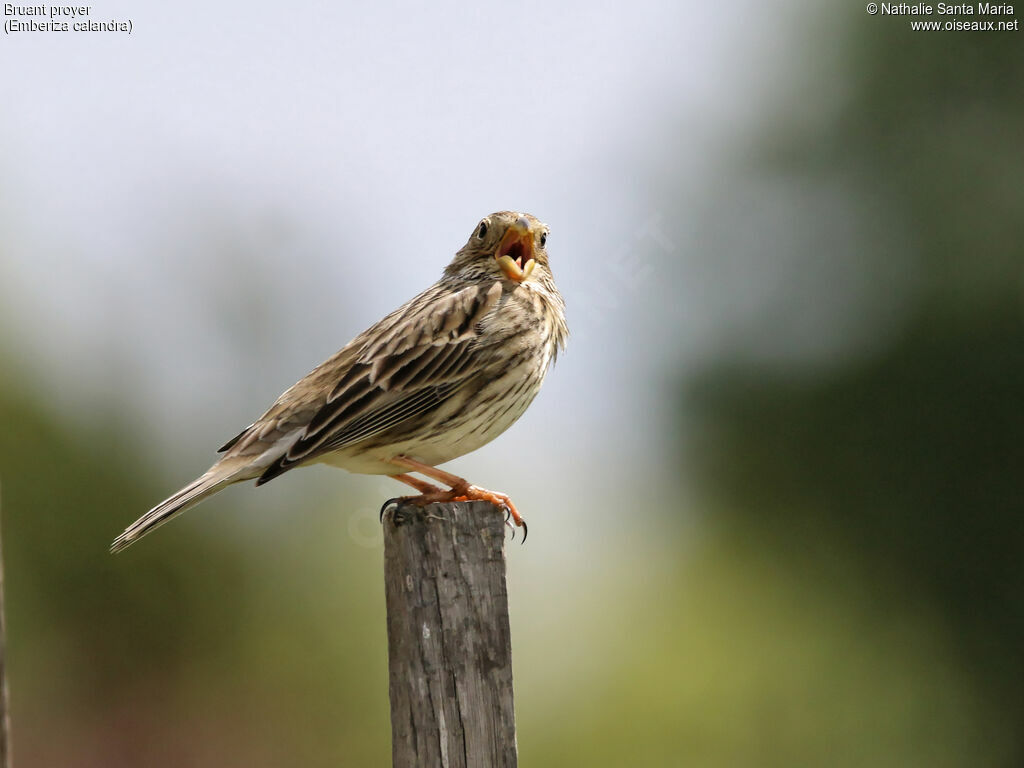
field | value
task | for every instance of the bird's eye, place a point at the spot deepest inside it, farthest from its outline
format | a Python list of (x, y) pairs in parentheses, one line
[(543, 239), (482, 231)]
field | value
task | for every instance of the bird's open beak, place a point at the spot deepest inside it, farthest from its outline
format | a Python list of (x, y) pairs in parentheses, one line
[(515, 252)]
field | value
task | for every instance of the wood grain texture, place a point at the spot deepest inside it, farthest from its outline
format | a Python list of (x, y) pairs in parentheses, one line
[(449, 646)]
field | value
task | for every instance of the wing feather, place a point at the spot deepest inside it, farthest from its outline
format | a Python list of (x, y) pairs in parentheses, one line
[(388, 417), (407, 365)]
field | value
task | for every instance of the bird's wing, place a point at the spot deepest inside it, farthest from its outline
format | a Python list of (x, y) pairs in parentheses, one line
[(408, 364)]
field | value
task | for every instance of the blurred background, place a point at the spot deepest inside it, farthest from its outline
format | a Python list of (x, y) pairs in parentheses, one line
[(773, 486)]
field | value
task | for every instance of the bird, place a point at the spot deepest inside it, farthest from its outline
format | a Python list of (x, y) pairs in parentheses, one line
[(441, 376)]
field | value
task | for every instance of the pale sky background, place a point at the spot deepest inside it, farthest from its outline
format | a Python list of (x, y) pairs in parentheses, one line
[(198, 213)]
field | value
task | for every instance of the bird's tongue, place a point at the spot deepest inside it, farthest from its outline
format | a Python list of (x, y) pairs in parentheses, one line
[(516, 253)]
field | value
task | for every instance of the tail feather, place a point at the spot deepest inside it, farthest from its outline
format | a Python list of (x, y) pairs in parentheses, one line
[(216, 478)]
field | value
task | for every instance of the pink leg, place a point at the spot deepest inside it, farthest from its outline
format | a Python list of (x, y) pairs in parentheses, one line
[(420, 485), (461, 490)]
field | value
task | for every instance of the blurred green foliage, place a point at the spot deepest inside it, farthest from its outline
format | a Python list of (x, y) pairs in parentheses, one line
[(187, 653), (746, 655), (903, 462)]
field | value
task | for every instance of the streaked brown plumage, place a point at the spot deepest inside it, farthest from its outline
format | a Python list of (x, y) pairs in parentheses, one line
[(437, 378)]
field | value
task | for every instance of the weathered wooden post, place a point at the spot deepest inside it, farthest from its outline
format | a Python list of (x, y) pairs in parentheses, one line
[(449, 647)]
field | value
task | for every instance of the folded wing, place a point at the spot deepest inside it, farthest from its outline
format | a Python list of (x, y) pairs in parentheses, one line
[(401, 369)]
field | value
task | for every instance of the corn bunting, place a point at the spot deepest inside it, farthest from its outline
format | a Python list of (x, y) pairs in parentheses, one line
[(439, 377)]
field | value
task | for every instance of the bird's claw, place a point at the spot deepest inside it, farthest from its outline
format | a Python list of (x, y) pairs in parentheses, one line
[(518, 523), (384, 507)]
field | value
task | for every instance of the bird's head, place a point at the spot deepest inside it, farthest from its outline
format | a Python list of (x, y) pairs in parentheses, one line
[(507, 244)]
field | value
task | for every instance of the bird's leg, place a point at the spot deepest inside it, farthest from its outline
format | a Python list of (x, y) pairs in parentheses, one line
[(428, 492), (452, 481), (420, 485), (461, 490)]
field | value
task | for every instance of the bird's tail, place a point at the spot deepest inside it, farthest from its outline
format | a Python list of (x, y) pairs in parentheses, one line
[(218, 476)]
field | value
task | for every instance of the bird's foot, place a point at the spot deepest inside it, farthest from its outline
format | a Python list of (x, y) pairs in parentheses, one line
[(420, 500), (425, 490), (460, 490), (501, 500), (464, 492)]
